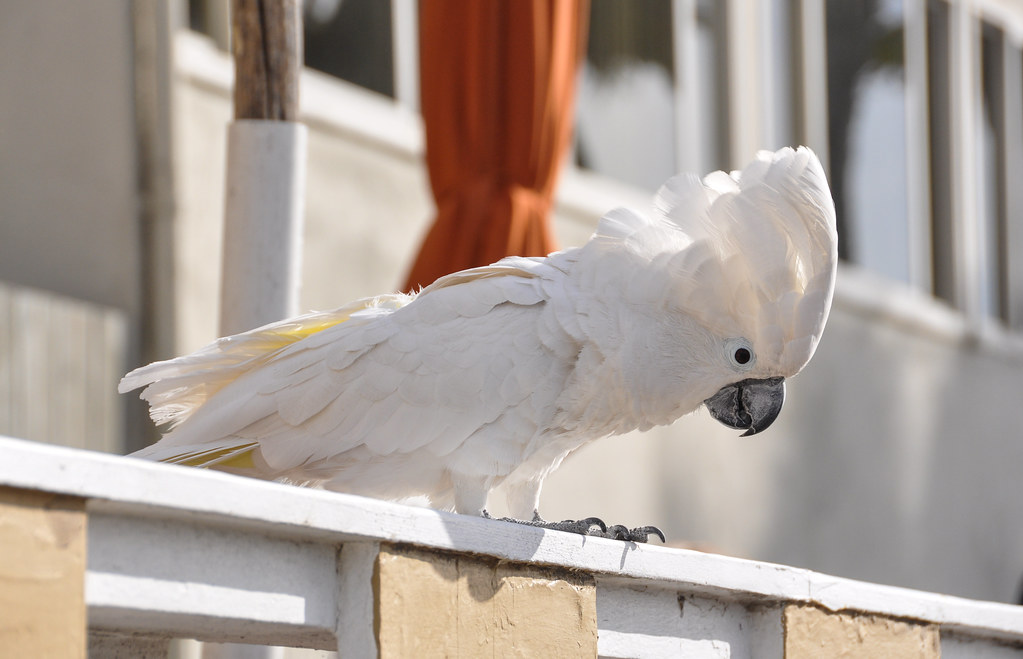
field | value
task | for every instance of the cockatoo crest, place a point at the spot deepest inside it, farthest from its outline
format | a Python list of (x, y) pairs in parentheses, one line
[(752, 254)]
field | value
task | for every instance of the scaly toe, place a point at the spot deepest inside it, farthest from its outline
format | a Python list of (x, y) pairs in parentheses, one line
[(642, 533), (588, 526), (639, 534), (593, 526)]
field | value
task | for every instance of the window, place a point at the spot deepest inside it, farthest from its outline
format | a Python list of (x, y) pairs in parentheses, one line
[(867, 116), (371, 43), (976, 140), (688, 85), (625, 107), (351, 40)]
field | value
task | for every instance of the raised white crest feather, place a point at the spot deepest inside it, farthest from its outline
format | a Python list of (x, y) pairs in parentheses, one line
[(754, 253)]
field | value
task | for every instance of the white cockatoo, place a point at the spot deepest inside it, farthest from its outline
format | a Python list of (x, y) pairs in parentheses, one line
[(492, 376)]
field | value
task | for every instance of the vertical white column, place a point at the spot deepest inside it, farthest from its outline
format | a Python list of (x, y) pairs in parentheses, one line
[(356, 631), (689, 156), (405, 46), (813, 62), (262, 223), (1012, 79), (918, 151), (965, 99), (745, 86)]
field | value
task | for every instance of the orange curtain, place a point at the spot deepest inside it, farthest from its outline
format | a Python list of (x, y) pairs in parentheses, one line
[(497, 93)]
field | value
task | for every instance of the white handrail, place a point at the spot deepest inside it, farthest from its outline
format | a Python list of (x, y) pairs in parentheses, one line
[(193, 553)]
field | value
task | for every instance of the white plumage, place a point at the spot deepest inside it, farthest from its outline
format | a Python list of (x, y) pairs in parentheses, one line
[(494, 375)]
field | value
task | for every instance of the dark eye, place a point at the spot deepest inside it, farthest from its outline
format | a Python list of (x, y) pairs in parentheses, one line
[(739, 353)]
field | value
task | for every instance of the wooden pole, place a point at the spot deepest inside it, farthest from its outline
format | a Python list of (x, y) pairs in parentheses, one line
[(266, 152), (267, 46)]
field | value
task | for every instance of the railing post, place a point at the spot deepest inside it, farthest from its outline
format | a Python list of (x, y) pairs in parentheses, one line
[(356, 636)]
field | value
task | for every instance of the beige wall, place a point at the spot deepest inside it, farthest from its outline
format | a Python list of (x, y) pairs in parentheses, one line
[(68, 183), (71, 272)]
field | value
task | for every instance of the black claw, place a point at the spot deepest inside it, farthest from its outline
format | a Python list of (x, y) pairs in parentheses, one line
[(595, 521), (641, 534), (593, 526), (617, 532)]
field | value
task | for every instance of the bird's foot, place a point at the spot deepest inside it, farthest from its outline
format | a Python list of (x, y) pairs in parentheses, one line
[(590, 526), (638, 534)]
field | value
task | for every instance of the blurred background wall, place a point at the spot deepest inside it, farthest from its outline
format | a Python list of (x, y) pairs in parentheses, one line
[(897, 458)]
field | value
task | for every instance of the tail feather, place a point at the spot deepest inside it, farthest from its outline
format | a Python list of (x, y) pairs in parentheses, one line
[(175, 388), (236, 454)]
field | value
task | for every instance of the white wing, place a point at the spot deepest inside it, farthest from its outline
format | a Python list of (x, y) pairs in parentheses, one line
[(465, 361), (178, 387)]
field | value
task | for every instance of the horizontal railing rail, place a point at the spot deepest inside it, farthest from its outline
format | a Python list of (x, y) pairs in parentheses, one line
[(181, 552)]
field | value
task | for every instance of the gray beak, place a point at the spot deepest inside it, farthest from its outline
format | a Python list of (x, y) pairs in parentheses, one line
[(750, 404)]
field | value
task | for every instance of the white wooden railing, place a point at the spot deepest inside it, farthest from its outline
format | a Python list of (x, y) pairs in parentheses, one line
[(180, 552)]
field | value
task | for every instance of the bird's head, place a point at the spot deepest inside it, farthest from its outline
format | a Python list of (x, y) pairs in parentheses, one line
[(745, 263)]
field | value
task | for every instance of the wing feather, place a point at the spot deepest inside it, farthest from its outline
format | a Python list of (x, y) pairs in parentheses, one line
[(176, 388), (387, 375)]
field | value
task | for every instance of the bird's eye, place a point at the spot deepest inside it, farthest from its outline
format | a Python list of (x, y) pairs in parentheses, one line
[(740, 354)]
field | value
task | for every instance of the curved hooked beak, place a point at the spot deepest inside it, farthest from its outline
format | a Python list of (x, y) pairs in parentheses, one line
[(750, 404)]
